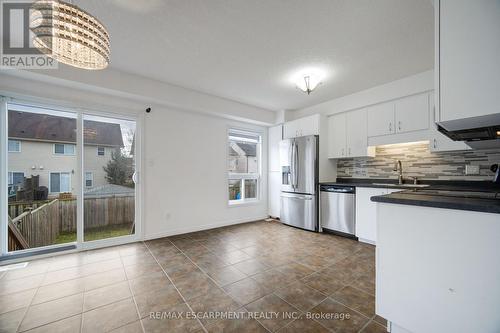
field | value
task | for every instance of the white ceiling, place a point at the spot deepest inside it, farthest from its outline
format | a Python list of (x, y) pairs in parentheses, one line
[(246, 50)]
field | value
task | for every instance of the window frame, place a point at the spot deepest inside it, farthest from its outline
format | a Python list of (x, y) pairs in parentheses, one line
[(59, 173), (245, 176), (10, 174), (91, 179), (103, 150), (13, 151), (64, 148)]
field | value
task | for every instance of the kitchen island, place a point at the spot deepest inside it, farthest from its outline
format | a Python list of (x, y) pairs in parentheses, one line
[(438, 263)]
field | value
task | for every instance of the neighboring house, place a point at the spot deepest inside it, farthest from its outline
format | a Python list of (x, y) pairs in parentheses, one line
[(243, 157), (45, 145)]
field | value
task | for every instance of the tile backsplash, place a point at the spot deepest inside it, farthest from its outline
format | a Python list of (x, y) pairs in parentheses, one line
[(417, 160)]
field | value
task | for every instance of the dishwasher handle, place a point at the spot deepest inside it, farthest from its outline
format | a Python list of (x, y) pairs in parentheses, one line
[(337, 189)]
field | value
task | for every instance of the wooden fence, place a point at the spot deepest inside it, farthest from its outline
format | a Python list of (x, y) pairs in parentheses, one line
[(39, 227), (41, 222)]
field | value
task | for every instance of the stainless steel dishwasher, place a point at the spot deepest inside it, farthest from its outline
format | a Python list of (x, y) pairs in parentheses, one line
[(338, 209)]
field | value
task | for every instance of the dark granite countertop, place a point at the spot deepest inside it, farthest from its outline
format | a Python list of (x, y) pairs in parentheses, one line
[(481, 186), (426, 198), (458, 196)]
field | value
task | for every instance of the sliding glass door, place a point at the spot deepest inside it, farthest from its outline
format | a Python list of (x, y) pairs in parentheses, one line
[(69, 178), (42, 177), (109, 168)]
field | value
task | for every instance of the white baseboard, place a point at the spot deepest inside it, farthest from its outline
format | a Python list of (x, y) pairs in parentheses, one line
[(181, 231), (367, 241)]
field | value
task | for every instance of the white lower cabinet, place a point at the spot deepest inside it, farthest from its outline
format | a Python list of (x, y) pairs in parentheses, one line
[(366, 213)]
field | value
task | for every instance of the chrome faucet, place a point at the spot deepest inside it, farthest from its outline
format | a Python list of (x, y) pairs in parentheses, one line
[(399, 167)]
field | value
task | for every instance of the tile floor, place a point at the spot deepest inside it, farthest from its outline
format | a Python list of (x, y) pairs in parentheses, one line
[(274, 278)]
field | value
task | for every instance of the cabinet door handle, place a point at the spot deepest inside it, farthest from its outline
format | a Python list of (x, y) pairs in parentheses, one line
[(390, 127), (399, 125), (342, 151), (435, 143), (349, 151)]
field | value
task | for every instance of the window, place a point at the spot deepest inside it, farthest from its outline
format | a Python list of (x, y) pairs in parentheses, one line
[(14, 146), (64, 149), (243, 165), (60, 182), (16, 178), (100, 151), (89, 179)]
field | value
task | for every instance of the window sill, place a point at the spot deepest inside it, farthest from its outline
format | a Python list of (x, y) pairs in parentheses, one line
[(244, 203)]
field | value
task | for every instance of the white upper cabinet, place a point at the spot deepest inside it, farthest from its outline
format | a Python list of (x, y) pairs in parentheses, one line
[(347, 135), (439, 142), (404, 115), (412, 113), (381, 119), (356, 136), (302, 127), (291, 129), (274, 138), (309, 125), (337, 136), (467, 58)]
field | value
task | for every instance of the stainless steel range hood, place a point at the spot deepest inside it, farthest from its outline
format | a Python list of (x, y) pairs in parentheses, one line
[(478, 132)]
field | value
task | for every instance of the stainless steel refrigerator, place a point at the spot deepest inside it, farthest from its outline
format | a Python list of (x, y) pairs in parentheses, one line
[(299, 182)]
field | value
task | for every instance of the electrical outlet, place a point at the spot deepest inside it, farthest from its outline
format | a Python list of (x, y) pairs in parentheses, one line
[(472, 169)]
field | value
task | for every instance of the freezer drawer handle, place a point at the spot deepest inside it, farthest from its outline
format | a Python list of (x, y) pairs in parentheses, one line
[(296, 197)]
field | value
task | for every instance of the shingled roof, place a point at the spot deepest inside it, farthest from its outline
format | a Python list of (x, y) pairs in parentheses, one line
[(248, 149), (44, 127)]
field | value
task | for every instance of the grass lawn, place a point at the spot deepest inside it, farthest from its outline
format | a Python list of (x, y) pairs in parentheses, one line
[(95, 234)]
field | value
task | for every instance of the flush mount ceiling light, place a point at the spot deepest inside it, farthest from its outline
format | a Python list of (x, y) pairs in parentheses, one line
[(69, 34), (308, 79), (308, 83)]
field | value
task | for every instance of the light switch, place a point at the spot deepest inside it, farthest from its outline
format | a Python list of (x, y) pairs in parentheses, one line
[(472, 169)]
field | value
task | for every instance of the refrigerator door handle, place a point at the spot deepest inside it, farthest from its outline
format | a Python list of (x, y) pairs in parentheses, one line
[(296, 197), (296, 166), (292, 165)]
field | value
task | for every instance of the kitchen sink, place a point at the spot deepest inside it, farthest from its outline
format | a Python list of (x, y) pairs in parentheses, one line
[(402, 185)]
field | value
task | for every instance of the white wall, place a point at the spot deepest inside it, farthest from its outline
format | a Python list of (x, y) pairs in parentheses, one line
[(185, 146), (404, 87), (186, 173), (139, 89)]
